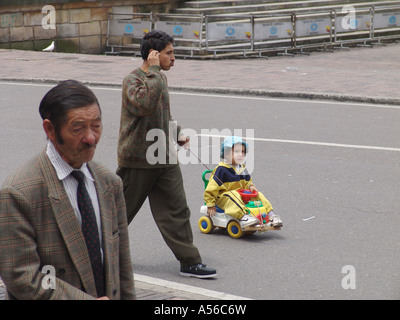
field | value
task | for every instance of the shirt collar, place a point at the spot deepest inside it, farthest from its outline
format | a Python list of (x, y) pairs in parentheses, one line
[(63, 169)]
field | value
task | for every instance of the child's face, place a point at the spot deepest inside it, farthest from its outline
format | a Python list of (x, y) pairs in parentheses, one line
[(236, 155)]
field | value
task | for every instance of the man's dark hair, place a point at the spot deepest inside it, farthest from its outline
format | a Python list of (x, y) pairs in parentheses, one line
[(67, 95), (156, 40)]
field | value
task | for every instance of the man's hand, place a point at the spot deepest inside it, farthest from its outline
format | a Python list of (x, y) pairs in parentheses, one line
[(154, 58), (184, 141)]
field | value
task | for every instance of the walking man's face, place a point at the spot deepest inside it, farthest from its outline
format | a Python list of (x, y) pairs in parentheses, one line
[(167, 57)]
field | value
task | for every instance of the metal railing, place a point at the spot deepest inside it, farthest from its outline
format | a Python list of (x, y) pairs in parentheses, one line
[(207, 36)]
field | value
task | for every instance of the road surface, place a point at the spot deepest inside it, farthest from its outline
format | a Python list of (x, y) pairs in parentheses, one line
[(331, 170)]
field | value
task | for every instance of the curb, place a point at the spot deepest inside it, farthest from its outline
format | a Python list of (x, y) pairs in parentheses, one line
[(181, 291), (292, 94), (243, 92), (149, 288)]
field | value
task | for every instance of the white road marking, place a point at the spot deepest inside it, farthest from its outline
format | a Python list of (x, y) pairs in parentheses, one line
[(326, 144), (315, 143)]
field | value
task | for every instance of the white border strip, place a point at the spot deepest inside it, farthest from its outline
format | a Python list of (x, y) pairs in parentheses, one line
[(327, 144), (187, 288)]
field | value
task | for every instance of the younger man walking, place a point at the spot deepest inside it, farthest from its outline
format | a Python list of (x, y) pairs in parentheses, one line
[(145, 107)]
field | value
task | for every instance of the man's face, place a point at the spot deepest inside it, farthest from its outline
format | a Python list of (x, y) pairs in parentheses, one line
[(167, 57), (79, 135)]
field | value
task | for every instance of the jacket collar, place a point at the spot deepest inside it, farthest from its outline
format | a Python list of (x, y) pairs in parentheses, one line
[(238, 169)]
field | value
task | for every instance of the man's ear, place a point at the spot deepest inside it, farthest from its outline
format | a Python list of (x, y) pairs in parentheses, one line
[(49, 129)]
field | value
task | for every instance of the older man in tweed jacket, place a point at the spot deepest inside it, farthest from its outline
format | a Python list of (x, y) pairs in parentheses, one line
[(40, 221)]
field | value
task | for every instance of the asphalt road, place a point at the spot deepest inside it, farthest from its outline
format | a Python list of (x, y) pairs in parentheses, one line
[(331, 170)]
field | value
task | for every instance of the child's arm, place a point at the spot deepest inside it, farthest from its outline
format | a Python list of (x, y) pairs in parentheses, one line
[(210, 195), (250, 186)]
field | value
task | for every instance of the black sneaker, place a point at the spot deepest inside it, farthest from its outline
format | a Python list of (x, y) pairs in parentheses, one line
[(198, 271)]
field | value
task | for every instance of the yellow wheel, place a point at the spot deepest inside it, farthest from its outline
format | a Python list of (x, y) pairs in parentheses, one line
[(234, 229), (205, 224)]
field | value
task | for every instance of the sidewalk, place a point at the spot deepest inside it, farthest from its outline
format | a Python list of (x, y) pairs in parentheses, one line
[(358, 74), (156, 289)]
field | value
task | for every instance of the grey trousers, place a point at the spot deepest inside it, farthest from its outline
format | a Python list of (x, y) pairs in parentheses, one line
[(167, 198)]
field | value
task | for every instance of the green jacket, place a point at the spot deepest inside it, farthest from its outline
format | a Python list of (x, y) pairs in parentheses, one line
[(147, 131)]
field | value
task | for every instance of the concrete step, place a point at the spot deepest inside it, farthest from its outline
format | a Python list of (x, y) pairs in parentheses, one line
[(237, 7), (224, 3)]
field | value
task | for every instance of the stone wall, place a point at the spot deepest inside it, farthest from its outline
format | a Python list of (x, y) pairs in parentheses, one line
[(79, 27)]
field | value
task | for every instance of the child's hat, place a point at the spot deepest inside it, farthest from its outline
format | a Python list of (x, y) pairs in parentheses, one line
[(229, 142)]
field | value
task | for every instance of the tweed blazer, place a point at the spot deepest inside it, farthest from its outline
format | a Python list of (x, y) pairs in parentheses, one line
[(38, 228)]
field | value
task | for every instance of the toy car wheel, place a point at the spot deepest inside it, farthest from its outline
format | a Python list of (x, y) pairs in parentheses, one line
[(206, 225), (234, 229)]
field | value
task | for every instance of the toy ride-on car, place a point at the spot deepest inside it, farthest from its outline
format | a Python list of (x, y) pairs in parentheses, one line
[(224, 221)]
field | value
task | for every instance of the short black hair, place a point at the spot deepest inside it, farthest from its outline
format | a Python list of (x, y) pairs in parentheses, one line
[(156, 40), (67, 95)]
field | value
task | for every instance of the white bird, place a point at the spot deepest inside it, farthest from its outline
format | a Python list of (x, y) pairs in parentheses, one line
[(50, 48)]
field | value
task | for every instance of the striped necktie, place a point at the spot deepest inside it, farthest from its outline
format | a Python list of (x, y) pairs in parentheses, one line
[(90, 232)]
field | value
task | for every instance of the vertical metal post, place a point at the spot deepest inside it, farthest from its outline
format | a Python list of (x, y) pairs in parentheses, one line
[(206, 22), (332, 27), (201, 32), (252, 32), (371, 24), (108, 29), (335, 25), (152, 22), (293, 38)]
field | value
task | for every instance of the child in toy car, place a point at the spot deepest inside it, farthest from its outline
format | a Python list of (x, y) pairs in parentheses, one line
[(227, 184)]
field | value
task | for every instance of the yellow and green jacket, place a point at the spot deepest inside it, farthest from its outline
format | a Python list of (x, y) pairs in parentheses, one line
[(224, 178)]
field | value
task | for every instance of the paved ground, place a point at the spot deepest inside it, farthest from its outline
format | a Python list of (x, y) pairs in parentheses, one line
[(148, 289), (362, 74), (358, 74)]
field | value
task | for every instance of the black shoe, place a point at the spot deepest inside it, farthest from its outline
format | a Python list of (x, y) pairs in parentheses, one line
[(198, 271)]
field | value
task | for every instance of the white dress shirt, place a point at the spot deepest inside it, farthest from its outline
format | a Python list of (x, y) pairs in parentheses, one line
[(63, 170)]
